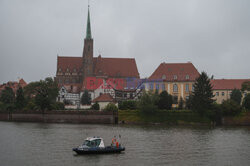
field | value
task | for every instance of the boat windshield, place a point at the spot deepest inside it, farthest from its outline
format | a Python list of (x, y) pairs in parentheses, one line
[(94, 143)]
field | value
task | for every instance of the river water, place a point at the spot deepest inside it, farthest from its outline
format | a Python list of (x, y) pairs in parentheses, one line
[(31, 144)]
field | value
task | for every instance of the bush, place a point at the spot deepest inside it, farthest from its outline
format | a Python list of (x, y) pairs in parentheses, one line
[(58, 106), (30, 106), (246, 102), (111, 107), (95, 106), (230, 108), (127, 105)]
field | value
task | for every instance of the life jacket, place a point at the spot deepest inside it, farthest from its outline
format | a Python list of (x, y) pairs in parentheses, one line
[(117, 144)]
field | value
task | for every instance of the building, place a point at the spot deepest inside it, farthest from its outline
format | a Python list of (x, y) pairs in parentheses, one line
[(222, 88), (103, 100), (176, 78), (73, 73), (14, 85)]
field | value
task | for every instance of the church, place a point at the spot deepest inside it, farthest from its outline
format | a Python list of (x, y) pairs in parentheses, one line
[(74, 73)]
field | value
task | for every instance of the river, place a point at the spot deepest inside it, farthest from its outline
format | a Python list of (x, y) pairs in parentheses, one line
[(31, 144)]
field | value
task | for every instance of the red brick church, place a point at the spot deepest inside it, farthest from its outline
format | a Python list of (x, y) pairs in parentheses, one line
[(72, 72)]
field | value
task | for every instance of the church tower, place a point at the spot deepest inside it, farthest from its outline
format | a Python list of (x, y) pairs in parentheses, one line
[(88, 51)]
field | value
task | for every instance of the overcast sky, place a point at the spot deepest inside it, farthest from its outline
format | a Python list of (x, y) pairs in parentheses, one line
[(213, 34)]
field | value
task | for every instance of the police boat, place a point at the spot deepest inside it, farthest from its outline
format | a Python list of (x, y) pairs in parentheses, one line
[(95, 145)]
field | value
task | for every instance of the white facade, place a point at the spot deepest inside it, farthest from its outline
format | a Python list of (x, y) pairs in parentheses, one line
[(73, 98)]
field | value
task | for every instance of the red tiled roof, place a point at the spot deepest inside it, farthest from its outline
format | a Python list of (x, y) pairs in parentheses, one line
[(115, 67), (104, 98), (227, 84), (181, 70), (111, 67), (22, 83), (70, 63)]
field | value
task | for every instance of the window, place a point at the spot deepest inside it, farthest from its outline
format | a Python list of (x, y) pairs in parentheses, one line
[(175, 77), (175, 88), (187, 88), (192, 87), (157, 86), (163, 77), (151, 86), (187, 77), (223, 93), (217, 93), (163, 87), (187, 97)]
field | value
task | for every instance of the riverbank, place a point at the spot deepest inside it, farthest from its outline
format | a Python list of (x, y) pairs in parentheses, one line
[(178, 117), (69, 116)]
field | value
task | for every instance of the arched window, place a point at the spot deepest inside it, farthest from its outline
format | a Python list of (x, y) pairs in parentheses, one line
[(175, 88)]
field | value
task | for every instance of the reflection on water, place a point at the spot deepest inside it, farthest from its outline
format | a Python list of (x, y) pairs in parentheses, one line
[(51, 144)]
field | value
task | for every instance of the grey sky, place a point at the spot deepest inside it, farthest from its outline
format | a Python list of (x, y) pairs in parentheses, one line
[(213, 34)]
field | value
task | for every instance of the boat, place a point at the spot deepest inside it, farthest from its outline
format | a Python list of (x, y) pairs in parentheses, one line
[(95, 145)]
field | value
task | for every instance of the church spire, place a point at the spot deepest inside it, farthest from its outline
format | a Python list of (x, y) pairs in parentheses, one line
[(88, 32)]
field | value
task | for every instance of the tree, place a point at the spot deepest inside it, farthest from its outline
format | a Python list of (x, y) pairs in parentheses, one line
[(230, 108), (20, 100), (44, 92), (246, 102), (165, 101), (95, 106), (202, 96), (245, 86), (236, 96), (7, 96), (146, 103), (85, 99), (181, 102)]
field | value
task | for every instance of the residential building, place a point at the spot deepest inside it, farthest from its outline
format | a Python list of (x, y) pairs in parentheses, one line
[(222, 88)]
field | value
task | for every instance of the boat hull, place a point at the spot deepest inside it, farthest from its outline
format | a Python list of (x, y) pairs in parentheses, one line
[(108, 149)]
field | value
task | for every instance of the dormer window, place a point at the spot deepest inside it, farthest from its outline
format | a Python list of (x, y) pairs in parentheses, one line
[(59, 69), (175, 77), (67, 70), (187, 77), (74, 70), (163, 77)]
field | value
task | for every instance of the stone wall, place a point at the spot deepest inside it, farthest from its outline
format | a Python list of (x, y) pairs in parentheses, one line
[(90, 117)]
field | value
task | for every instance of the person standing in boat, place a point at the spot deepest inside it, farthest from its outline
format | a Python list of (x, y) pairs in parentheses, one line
[(114, 141)]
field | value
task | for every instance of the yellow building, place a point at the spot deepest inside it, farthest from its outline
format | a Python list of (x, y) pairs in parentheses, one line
[(176, 78), (222, 88)]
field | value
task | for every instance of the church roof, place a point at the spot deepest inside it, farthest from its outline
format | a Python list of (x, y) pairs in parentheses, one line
[(111, 67), (175, 72), (227, 84)]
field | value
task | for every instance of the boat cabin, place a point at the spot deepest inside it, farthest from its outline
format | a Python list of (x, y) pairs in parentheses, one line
[(93, 142)]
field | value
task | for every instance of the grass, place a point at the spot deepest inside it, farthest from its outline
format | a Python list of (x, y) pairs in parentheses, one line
[(162, 116)]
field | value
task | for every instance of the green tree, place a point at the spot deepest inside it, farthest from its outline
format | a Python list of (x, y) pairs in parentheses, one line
[(230, 108), (7, 98), (95, 106), (20, 101), (236, 96), (165, 101), (85, 99), (44, 92), (146, 103), (245, 86), (246, 102), (202, 96)]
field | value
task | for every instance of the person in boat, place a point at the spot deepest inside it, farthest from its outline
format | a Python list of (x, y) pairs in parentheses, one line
[(114, 141)]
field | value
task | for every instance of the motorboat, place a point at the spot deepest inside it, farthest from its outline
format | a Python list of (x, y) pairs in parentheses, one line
[(95, 145)]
